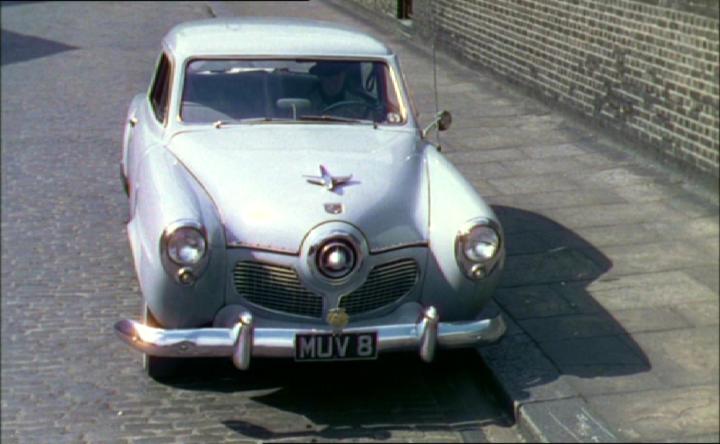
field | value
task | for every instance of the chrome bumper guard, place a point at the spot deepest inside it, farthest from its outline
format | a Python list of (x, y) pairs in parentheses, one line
[(244, 339)]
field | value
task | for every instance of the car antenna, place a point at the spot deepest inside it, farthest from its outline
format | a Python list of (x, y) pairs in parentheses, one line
[(434, 62)]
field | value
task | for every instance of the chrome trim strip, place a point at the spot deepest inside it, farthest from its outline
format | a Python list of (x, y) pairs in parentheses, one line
[(388, 248), (243, 341), (266, 248)]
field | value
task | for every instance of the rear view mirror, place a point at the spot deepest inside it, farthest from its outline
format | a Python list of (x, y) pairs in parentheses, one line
[(442, 121), (445, 120)]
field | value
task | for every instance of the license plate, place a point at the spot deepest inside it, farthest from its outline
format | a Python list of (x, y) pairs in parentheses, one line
[(335, 347)]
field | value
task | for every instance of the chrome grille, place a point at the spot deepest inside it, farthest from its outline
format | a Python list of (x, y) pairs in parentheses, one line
[(384, 285), (275, 287)]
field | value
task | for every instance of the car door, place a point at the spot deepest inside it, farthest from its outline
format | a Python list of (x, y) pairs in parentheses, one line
[(147, 124)]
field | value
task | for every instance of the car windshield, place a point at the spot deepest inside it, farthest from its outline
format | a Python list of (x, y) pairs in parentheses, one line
[(296, 90)]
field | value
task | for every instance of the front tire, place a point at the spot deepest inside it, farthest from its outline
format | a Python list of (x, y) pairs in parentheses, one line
[(158, 367)]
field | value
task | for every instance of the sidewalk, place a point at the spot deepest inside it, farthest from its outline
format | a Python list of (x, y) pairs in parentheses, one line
[(611, 283)]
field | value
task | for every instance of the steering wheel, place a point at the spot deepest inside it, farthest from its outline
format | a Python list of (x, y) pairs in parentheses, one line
[(348, 103)]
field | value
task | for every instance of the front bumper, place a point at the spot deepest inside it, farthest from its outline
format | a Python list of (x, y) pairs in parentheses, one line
[(410, 327)]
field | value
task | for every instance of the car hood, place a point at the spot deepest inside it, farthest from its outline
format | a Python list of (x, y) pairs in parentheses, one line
[(255, 176)]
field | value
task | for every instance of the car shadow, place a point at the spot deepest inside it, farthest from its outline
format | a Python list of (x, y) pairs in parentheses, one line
[(355, 400), (557, 328), (18, 47)]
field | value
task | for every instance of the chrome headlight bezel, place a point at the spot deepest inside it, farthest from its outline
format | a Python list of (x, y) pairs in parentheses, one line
[(185, 273), (477, 269)]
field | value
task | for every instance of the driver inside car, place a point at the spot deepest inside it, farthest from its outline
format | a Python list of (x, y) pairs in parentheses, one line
[(332, 96)]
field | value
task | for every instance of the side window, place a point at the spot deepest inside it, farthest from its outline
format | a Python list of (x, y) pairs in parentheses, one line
[(160, 91)]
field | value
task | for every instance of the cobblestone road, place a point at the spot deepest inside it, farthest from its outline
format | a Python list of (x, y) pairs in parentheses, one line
[(68, 73)]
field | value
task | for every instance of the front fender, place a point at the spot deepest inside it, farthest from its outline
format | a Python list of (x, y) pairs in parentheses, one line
[(127, 135), (453, 202), (166, 193)]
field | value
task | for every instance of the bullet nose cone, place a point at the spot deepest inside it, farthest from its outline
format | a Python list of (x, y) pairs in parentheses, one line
[(337, 260)]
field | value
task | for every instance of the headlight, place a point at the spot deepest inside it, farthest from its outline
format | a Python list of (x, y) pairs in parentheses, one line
[(480, 244), (477, 247), (183, 248), (186, 246)]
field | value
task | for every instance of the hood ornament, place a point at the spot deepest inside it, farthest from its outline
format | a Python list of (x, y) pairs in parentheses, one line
[(326, 180)]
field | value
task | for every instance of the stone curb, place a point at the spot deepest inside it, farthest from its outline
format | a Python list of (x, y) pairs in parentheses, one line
[(548, 412)]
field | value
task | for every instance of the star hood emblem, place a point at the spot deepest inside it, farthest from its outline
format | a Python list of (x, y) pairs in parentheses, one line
[(327, 180)]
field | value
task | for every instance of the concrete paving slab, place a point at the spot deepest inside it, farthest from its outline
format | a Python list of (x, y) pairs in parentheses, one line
[(682, 357), (604, 236), (523, 373), (656, 257), (577, 296), (619, 177), (532, 302), (498, 138), (706, 275), (702, 227), (710, 246), (647, 191), (660, 414), (517, 220), (483, 186), (527, 167), (616, 214), (700, 314), (465, 157), (526, 243), (567, 420), (542, 200), (647, 319), (547, 149), (570, 327), (599, 161), (483, 171), (611, 378), (669, 288), (562, 265), (530, 184), (693, 206), (613, 354)]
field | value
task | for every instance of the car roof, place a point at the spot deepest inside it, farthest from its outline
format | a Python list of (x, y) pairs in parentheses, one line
[(261, 36)]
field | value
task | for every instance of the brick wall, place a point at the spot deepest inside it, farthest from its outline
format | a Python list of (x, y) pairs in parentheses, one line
[(385, 7), (648, 68)]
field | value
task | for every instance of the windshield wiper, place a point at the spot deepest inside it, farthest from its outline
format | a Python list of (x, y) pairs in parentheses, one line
[(327, 118), (221, 123)]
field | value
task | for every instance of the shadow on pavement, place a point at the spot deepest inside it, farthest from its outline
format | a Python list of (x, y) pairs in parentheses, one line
[(544, 291), (357, 400), (18, 47)]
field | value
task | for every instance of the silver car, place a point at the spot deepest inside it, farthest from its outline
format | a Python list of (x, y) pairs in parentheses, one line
[(285, 203)]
